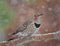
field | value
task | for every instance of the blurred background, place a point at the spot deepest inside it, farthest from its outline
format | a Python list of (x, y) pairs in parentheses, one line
[(13, 13)]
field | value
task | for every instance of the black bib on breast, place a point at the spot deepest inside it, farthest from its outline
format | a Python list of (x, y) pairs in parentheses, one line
[(37, 25)]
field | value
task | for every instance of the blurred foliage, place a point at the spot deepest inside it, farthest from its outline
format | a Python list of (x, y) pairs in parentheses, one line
[(6, 15)]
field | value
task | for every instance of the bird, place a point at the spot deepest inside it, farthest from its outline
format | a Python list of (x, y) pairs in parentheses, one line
[(25, 25)]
